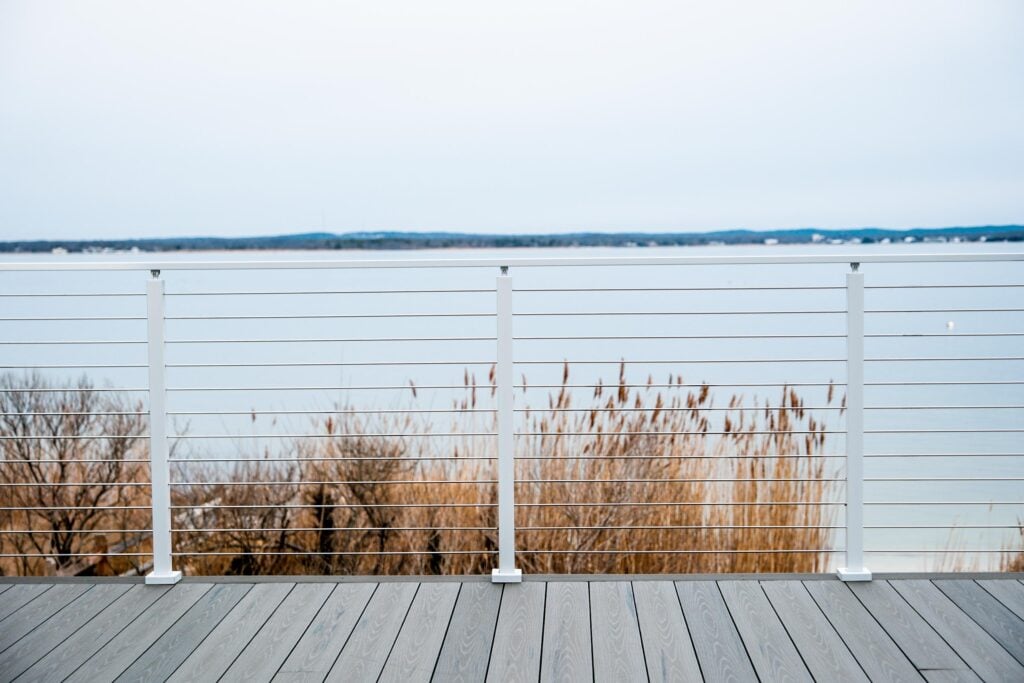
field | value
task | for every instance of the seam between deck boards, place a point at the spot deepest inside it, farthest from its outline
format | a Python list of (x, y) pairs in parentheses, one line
[(30, 600), (929, 624), (979, 624), (494, 632), (689, 635), (899, 602), (739, 635), (828, 621), (398, 633), (639, 630), (175, 622), (1001, 602), (46, 619), (255, 632), (785, 629), (301, 635), (447, 628), (349, 636)]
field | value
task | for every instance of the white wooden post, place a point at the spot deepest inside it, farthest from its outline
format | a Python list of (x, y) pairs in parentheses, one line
[(854, 569), (159, 469), (506, 571)]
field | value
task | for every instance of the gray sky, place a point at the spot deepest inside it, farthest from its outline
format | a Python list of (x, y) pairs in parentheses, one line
[(230, 118)]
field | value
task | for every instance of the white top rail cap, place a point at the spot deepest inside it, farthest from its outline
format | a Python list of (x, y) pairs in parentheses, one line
[(543, 262)]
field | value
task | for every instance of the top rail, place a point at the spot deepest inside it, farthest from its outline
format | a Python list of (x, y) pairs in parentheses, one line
[(283, 264)]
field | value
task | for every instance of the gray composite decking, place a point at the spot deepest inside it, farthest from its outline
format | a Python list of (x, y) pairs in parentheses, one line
[(576, 629)]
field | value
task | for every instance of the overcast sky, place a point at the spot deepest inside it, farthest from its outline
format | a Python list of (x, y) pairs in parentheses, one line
[(231, 118)]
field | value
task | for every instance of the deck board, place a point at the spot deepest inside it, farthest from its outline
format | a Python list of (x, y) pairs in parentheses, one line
[(997, 620), (950, 676), (266, 652), (418, 645), (518, 636), (20, 595), (719, 649), (618, 649), (37, 611), (226, 641), (313, 656), (367, 649), (668, 649), (769, 646), (85, 642), (986, 657), (55, 630), (566, 652), (467, 644), (918, 641), (874, 649), (1010, 593), (823, 651), (111, 660), (935, 628)]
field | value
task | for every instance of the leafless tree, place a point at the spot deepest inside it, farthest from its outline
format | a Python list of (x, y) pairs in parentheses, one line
[(73, 474)]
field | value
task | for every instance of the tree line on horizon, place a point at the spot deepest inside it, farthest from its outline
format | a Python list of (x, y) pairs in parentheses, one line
[(397, 240)]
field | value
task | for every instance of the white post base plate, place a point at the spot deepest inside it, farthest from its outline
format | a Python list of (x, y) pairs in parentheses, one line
[(506, 576), (154, 579), (853, 574)]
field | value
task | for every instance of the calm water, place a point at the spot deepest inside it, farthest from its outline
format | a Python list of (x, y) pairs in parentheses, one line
[(812, 312)]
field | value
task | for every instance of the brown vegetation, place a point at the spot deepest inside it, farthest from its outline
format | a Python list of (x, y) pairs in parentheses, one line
[(633, 481), (73, 472), (1013, 559)]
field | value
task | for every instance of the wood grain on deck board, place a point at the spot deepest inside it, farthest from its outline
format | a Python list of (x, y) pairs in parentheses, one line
[(20, 595), (950, 676), (566, 651), (874, 650), (265, 653), (87, 641), (597, 630), (918, 641), (418, 645), (368, 647), (823, 651), (226, 641), (467, 644), (515, 655), (715, 639), (314, 654), (1008, 592), (992, 615), (55, 630), (618, 650), (986, 657), (125, 647), (35, 612), (668, 649), (768, 644)]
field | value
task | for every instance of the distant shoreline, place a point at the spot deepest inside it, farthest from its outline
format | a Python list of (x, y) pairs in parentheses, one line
[(374, 241)]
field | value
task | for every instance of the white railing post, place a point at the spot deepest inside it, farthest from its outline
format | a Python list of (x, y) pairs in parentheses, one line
[(159, 469), (506, 571), (854, 569)]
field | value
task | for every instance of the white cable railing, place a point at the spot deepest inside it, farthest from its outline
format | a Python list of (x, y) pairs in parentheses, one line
[(478, 428)]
